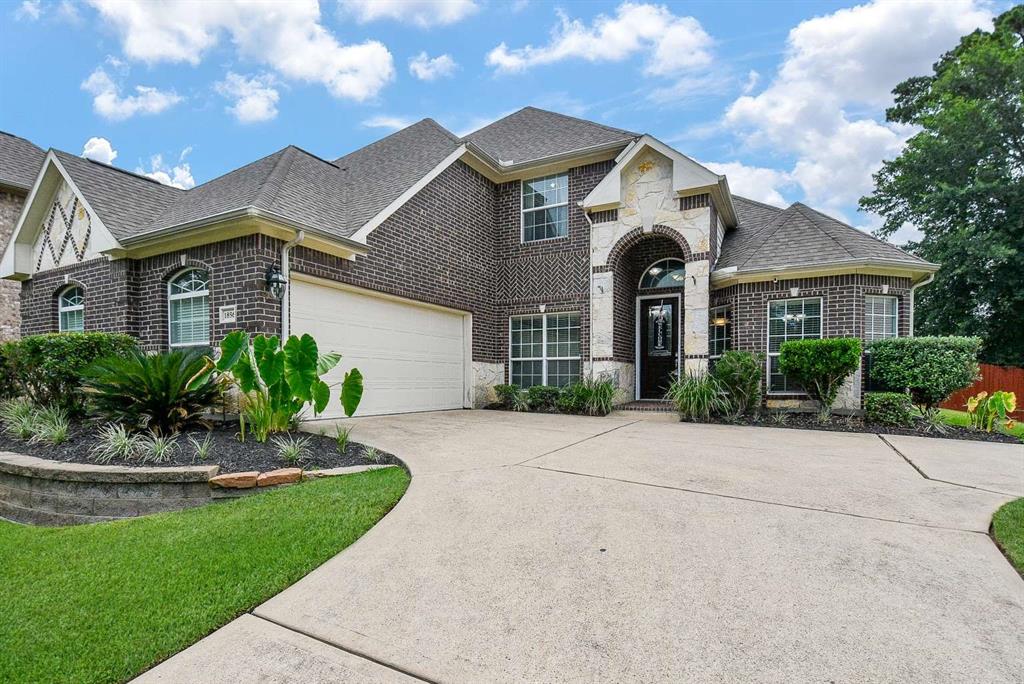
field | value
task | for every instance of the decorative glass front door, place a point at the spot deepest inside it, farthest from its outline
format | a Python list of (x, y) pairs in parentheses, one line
[(658, 345)]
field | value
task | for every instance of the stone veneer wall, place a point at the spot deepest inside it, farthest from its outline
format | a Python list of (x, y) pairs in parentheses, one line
[(842, 299), (10, 291)]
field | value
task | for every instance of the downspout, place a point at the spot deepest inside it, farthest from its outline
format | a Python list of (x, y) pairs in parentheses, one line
[(286, 272), (590, 278), (913, 288)]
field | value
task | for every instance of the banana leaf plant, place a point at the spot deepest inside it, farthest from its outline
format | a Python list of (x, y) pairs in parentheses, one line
[(277, 381)]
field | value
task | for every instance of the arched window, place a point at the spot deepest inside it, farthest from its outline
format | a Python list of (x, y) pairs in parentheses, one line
[(71, 309), (664, 273), (188, 302)]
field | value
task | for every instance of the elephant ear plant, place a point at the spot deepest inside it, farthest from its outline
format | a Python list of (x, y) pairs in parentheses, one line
[(277, 381)]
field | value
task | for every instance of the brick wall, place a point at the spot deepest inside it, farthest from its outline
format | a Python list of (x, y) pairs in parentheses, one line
[(438, 248), (10, 308)]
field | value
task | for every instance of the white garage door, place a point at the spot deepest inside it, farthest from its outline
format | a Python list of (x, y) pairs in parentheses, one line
[(412, 357)]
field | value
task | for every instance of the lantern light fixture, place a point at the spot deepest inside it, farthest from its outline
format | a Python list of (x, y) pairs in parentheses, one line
[(276, 282)]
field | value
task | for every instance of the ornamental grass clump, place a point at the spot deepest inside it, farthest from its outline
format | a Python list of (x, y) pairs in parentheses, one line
[(698, 396), (821, 367), (19, 417), (52, 426), (291, 449), (115, 441), (740, 374)]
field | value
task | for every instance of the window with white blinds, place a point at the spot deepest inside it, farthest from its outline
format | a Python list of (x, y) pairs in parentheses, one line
[(188, 296)]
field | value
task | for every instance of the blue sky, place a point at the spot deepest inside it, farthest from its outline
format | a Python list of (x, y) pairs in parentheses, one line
[(787, 99)]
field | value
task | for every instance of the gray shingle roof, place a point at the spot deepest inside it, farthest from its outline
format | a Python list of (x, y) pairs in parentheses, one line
[(768, 237), (531, 134), (19, 161), (126, 202)]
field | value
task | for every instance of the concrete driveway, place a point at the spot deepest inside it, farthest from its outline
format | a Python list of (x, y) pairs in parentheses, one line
[(556, 548)]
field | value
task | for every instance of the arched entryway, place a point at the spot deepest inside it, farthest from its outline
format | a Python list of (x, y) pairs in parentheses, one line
[(650, 282)]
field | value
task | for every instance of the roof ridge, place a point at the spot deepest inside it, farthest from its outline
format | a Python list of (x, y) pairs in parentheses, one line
[(864, 233), (800, 206), (118, 169), (275, 178), (228, 173), (429, 120), (767, 230), (582, 120), (759, 203)]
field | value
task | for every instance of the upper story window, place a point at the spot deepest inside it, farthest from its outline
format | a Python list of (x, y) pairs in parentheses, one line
[(545, 208), (880, 317), (71, 309), (789, 319), (718, 331), (188, 303), (664, 273)]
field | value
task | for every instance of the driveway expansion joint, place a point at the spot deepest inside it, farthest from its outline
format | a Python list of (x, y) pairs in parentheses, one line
[(814, 509), (355, 652), (581, 441), (932, 479)]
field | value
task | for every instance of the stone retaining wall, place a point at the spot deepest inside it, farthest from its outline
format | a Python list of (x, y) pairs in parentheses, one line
[(41, 492)]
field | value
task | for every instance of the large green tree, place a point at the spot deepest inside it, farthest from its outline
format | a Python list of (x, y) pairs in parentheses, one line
[(960, 180)]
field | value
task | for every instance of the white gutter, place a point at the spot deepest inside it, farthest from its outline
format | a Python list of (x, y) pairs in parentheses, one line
[(590, 278), (913, 289), (286, 272)]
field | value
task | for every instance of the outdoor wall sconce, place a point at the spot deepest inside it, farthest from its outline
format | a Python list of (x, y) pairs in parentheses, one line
[(276, 282)]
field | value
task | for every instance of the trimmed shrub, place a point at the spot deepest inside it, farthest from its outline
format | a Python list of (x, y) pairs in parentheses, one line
[(542, 397), (152, 392), (574, 398), (929, 368), (48, 368), (8, 386), (698, 396), (821, 366), (740, 373), (506, 394), (590, 397), (888, 408)]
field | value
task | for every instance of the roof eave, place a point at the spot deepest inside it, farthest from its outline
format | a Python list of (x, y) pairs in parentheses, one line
[(732, 275)]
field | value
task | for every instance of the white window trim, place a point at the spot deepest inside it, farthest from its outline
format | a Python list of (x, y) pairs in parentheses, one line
[(76, 307), (544, 345), (679, 315), (711, 319), (768, 342), (896, 316), (643, 274), (186, 295), (523, 211)]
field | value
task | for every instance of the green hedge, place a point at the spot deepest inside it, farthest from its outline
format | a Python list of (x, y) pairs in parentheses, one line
[(48, 368), (821, 366), (929, 368), (888, 408)]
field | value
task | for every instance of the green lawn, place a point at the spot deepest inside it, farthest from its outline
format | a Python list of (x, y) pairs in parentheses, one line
[(961, 419), (102, 603), (1008, 528)]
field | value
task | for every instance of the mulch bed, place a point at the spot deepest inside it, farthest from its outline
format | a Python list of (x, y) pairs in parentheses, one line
[(227, 452), (809, 421)]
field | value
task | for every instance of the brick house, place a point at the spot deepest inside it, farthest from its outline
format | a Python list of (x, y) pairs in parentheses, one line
[(537, 250), (19, 163)]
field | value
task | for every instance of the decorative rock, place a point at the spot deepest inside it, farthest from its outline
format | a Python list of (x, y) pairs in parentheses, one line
[(279, 476), (236, 480)]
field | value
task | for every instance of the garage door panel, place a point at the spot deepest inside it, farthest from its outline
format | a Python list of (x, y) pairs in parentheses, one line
[(412, 357)]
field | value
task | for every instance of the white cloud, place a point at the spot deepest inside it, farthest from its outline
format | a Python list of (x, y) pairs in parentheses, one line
[(28, 9), (672, 43), (753, 78), (178, 176), (108, 102), (423, 13), (255, 98), (99, 149), (68, 11), (288, 37), (754, 182), (427, 68), (394, 123), (837, 64)]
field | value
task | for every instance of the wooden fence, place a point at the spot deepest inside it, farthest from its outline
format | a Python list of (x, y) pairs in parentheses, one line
[(993, 378)]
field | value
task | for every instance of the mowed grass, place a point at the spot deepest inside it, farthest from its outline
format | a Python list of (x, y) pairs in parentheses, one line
[(1008, 529), (102, 603), (962, 419)]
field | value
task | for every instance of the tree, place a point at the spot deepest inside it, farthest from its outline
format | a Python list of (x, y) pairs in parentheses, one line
[(960, 181)]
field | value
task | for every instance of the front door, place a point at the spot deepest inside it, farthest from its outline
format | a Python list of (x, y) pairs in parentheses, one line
[(658, 345)]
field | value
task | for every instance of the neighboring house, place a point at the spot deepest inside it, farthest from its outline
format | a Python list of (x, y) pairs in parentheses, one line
[(539, 249), (19, 164)]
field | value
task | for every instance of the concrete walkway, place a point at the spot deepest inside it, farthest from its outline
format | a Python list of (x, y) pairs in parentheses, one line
[(555, 548)]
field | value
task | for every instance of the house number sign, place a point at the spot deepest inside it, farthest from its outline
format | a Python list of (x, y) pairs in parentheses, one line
[(228, 314)]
